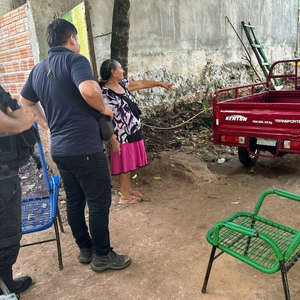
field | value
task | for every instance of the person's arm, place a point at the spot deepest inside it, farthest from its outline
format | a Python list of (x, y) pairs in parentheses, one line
[(146, 84), (36, 107), (17, 121), (91, 92), (115, 144)]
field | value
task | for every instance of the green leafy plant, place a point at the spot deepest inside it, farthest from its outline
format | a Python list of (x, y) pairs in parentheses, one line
[(251, 73), (208, 85)]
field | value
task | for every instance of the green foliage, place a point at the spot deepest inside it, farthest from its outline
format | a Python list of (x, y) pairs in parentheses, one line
[(208, 85), (251, 73)]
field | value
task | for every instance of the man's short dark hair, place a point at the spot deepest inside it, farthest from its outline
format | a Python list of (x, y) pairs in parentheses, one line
[(59, 31)]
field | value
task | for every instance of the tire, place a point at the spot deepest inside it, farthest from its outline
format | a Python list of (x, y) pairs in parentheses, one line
[(245, 158)]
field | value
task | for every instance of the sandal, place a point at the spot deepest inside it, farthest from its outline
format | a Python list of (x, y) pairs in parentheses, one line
[(132, 200), (136, 194)]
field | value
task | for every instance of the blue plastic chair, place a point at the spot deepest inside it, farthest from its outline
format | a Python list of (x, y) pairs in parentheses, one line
[(40, 199)]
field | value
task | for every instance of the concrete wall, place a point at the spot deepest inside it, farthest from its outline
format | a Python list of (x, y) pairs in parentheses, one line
[(5, 6), (187, 42)]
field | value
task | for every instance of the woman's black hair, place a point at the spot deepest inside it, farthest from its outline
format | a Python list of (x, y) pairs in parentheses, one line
[(105, 70)]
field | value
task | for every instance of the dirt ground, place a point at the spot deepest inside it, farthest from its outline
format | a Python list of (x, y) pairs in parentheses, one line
[(165, 236), (186, 191)]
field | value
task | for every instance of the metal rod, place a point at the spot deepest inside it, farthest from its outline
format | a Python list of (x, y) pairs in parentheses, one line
[(58, 245), (285, 281), (210, 262)]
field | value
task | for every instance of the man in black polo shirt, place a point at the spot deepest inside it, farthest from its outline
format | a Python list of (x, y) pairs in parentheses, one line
[(76, 146)]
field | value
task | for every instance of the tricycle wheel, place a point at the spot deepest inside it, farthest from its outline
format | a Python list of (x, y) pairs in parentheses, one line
[(245, 158)]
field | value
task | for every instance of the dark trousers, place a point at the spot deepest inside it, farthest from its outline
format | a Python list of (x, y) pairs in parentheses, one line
[(10, 226), (86, 179), (8, 257)]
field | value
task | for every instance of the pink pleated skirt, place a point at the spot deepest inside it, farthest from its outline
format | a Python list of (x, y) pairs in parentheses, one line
[(133, 155)]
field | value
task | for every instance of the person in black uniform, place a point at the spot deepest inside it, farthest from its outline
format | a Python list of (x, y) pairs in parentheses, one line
[(12, 123)]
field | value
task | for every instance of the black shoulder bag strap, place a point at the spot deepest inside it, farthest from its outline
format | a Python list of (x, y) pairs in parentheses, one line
[(106, 126), (133, 106), (77, 101)]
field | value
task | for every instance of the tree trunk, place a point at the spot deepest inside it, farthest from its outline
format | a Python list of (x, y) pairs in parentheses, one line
[(120, 33)]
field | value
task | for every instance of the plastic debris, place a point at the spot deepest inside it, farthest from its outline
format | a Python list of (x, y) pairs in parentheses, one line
[(221, 160)]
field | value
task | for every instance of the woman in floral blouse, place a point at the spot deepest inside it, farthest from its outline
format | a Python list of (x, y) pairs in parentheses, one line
[(116, 92)]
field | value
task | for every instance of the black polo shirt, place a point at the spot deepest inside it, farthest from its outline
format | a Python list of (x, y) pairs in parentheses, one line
[(73, 130)]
